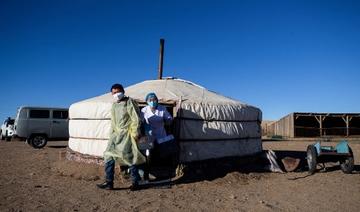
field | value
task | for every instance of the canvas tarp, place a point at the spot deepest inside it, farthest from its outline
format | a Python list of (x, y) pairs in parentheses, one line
[(211, 125)]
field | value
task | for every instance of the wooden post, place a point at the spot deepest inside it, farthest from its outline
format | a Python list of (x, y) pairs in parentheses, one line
[(346, 120), (321, 126), (319, 119), (347, 126), (161, 58)]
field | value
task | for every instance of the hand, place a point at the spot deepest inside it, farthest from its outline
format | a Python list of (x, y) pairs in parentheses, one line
[(137, 137)]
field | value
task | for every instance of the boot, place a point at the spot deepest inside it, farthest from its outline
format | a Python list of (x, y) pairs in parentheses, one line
[(135, 186), (106, 185)]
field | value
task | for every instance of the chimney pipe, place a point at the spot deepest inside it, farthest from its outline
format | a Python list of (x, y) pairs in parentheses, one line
[(161, 58)]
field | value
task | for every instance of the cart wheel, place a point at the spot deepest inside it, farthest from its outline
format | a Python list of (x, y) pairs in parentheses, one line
[(311, 157), (347, 165)]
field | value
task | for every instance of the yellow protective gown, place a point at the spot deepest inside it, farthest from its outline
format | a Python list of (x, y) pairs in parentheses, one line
[(125, 128)]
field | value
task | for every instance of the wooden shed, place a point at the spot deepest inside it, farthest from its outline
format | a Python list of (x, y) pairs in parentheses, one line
[(316, 125)]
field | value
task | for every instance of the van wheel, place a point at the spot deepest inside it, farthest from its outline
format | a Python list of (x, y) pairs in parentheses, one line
[(38, 141), (1, 136)]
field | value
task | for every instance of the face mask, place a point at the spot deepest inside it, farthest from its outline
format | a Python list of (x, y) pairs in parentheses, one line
[(152, 104), (118, 96)]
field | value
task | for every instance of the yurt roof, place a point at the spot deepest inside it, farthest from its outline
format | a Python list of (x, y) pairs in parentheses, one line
[(169, 91)]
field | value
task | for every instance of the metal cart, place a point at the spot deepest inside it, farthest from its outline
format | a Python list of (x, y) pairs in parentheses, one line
[(342, 153)]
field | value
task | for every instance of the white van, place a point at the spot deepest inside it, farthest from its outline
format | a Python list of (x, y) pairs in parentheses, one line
[(37, 125)]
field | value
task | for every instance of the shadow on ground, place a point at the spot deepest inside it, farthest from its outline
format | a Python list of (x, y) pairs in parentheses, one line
[(243, 168), (213, 169), (217, 168)]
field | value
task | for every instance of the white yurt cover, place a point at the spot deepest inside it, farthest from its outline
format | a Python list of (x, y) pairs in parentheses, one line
[(211, 125)]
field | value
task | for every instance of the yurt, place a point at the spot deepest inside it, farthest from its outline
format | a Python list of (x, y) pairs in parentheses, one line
[(206, 125)]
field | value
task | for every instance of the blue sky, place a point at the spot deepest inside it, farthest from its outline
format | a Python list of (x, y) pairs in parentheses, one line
[(281, 56)]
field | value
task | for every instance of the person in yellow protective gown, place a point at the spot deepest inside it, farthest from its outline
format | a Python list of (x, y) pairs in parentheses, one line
[(125, 131)]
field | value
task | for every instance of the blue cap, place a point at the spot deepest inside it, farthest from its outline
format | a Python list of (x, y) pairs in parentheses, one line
[(151, 95)]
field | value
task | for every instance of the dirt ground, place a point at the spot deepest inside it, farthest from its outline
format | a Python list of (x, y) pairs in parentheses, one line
[(41, 180)]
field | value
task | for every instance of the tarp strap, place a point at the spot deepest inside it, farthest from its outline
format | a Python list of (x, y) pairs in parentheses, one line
[(211, 120), (218, 139), (89, 138), (90, 118)]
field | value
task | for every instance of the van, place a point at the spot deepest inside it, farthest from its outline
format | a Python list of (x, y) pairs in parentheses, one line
[(38, 125)]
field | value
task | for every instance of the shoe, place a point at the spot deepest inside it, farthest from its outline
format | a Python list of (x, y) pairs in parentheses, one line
[(135, 187), (106, 185)]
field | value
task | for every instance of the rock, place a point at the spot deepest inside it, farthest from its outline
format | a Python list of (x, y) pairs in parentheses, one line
[(41, 186), (290, 164)]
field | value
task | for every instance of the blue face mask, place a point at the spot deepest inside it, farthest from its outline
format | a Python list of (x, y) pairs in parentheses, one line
[(152, 104)]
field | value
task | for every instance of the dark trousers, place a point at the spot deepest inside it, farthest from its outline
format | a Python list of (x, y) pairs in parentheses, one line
[(110, 171)]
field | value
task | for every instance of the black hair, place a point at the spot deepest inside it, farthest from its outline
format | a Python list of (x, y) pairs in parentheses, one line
[(117, 86)]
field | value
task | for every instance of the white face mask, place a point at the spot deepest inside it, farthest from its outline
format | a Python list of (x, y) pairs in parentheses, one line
[(118, 96)]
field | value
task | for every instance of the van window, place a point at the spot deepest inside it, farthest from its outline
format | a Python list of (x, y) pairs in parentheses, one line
[(60, 114), (40, 114)]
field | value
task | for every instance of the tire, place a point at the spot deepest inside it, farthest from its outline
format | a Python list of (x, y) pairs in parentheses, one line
[(1, 136), (7, 137), (347, 165), (38, 141), (311, 157)]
